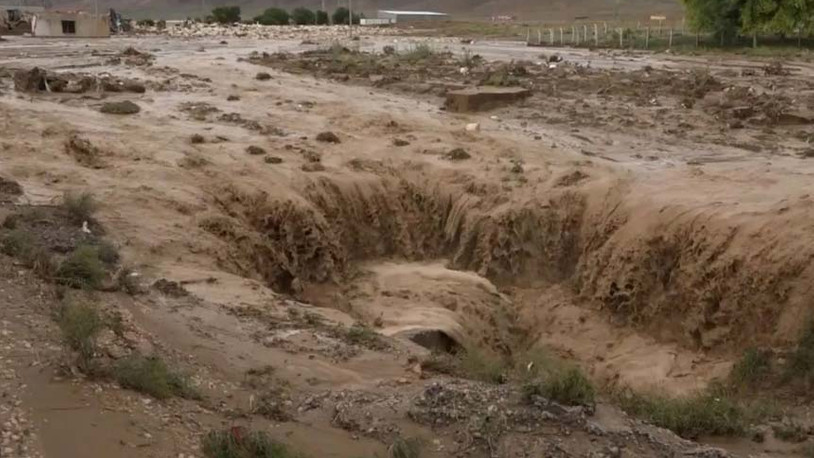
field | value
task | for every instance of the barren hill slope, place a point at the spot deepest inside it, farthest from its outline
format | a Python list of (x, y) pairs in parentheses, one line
[(470, 9)]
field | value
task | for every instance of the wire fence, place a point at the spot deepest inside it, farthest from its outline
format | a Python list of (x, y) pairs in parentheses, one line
[(651, 36)]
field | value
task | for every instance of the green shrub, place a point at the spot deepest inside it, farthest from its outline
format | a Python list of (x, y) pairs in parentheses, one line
[(145, 23), (239, 443), (79, 207), (303, 16), (82, 268), (226, 14), (18, 243), (273, 16), (703, 413), (150, 375), (568, 386), (483, 365), (405, 448), (80, 325), (754, 366), (801, 361)]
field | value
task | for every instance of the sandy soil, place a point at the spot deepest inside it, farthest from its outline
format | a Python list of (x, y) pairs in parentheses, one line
[(650, 258)]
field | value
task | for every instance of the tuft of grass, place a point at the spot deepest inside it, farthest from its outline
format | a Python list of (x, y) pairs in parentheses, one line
[(567, 386), (363, 336), (23, 246), (790, 432), (79, 207), (405, 448), (237, 442), (418, 53), (707, 413), (18, 243), (82, 268), (483, 365), (754, 366), (801, 361), (440, 363), (150, 375), (81, 324)]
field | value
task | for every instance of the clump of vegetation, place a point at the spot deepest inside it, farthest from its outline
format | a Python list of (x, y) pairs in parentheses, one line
[(83, 268), (81, 324), (150, 375), (708, 412), (237, 442), (79, 208), (197, 139), (566, 386), (226, 14), (273, 16), (405, 448), (754, 366), (801, 361), (145, 23), (418, 53), (303, 16), (790, 432), (482, 365), (363, 336)]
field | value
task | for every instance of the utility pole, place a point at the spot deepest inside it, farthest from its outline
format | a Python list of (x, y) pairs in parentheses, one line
[(350, 16)]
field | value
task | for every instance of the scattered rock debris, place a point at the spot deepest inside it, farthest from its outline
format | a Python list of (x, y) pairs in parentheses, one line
[(400, 142), (120, 108), (170, 288), (273, 160), (255, 150), (84, 152), (262, 76), (457, 154), (328, 137), (197, 139), (233, 98)]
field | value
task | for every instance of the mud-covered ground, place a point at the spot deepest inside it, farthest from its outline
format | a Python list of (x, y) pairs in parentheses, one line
[(645, 218)]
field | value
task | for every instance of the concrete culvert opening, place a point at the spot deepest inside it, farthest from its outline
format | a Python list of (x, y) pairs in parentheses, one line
[(436, 341)]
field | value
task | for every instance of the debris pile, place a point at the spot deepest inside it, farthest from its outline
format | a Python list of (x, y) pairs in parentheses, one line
[(39, 80)]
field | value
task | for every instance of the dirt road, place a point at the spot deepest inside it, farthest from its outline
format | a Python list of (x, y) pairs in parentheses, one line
[(650, 262)]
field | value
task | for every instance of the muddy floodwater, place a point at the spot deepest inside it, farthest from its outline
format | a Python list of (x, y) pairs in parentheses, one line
[(331, 255)]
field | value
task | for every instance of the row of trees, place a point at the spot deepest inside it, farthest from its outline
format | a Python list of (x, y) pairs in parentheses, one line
[(278, 16), (751, 17)]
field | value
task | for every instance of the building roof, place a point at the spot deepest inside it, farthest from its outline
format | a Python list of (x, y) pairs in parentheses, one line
[(414, 13)]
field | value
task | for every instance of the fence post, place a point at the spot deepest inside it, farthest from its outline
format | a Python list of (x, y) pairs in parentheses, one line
[(576, 37), (573, 35), (562, 38), (647, 38), (585, 34), (670, 46), (754, 39), (697, 39), (596, 35), (606, 28), (621, 39), (539, 37), (551, 36), (528, 36)]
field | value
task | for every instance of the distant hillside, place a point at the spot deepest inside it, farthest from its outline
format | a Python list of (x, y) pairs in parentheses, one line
[(546, 10)]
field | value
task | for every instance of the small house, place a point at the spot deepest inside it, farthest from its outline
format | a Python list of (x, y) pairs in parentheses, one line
[(71, 24)]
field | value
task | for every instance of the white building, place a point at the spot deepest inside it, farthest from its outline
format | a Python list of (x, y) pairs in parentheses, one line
[(398, 17), (71, 24)]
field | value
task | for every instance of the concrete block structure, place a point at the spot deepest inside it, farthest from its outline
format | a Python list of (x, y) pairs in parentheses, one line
[(71, 24)]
